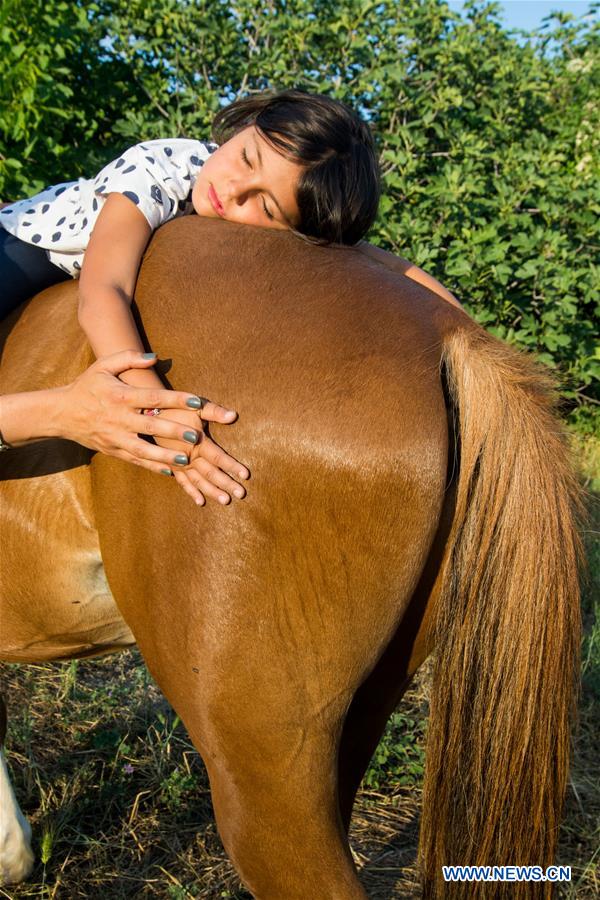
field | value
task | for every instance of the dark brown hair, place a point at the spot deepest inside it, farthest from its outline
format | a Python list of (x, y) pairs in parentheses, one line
[(338, 191)]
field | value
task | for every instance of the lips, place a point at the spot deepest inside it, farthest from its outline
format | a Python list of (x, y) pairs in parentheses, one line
[(215, 202)]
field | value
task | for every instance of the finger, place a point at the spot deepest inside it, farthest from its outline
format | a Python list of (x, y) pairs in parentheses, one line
[(210, 490), (151, 398), (143, 450), (125, 359), (214, 412), (165, 429), (182, 479), (214, 481), (216, 478), (157, 427), (218, 457), (159, 468)]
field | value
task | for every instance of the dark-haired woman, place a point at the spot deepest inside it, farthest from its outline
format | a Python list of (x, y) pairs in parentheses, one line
[(289, 160)]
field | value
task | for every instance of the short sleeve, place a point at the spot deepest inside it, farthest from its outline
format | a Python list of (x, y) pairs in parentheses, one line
[(136, 175)]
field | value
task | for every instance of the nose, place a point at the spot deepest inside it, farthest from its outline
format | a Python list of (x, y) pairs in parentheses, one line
[(239, 197), (239, 189)]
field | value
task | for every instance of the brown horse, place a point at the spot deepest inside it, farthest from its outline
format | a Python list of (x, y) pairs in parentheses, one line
[(410, 487)]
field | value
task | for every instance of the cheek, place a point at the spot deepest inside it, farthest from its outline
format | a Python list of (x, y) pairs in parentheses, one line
[(246, 214), (200, 199), (215, 167), (251, 217), (197, 197)]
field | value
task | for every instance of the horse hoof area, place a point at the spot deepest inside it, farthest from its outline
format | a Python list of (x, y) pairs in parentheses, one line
[(16, 855), (16, 860)]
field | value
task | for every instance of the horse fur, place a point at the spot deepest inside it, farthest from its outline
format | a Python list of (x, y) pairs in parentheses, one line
[(406, 467)]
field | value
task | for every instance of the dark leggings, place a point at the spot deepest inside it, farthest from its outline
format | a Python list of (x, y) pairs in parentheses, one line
[(24, 270)]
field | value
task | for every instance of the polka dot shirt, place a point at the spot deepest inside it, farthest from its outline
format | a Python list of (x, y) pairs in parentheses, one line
[(158, 176)]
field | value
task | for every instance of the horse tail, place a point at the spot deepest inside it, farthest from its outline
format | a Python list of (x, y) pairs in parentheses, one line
[(508, 625)]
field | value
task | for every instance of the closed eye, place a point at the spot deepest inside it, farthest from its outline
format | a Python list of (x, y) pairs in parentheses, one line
[(269, 215)]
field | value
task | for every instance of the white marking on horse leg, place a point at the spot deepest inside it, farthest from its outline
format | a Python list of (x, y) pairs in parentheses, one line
[(16, 858)]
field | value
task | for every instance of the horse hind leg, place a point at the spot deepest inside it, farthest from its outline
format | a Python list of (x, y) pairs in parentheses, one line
[(16, 856), (269, 736), (277, 811), (381, 692)]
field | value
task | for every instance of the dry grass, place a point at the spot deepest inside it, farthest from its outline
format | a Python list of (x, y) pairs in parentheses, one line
[(119, 799)]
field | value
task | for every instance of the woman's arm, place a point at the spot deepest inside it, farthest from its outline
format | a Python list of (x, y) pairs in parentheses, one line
[(27, 417), (107, 282), (404, 267), (106, 286), (100, 412), (428, 281)]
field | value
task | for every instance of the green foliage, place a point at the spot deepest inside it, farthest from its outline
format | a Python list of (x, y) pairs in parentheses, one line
[(178, 789), (400, 754), (58, 95), (490, 145), (493, 183)]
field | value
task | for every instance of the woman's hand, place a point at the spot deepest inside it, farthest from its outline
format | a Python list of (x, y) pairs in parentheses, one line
[(210, 471), (103, 413)]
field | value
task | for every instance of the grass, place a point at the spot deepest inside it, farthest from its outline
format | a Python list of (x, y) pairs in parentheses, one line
[(119, 799)]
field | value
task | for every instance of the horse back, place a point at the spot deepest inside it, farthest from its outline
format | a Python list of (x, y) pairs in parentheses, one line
[(333, 365)]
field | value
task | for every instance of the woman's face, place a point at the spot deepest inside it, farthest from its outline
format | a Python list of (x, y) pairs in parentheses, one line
[(247, 181)]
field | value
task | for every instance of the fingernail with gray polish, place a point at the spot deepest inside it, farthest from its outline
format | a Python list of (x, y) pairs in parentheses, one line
[(148, 355), (166, 472), (181, 459), (190, 436), (194, 403)]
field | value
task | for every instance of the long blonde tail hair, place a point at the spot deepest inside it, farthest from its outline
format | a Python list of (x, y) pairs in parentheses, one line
[(508, 630)]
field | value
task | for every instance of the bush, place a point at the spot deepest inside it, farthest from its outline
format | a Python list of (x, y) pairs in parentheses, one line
[(490, 144)]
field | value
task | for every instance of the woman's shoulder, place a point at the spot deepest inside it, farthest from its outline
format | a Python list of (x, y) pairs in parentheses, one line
[(178, 146), (163, 158)]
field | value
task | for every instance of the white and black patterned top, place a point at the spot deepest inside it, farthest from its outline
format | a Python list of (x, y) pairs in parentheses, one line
[(158, 176)]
